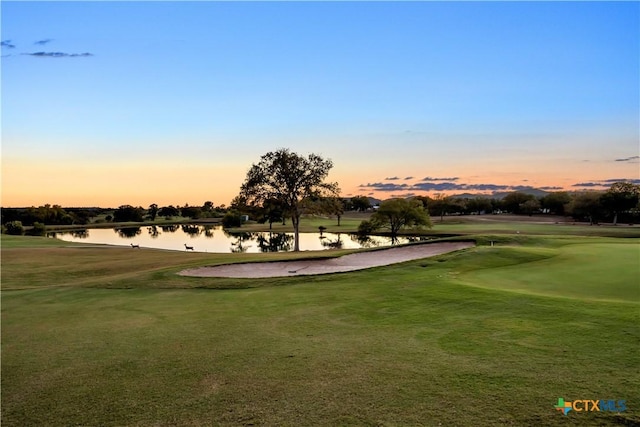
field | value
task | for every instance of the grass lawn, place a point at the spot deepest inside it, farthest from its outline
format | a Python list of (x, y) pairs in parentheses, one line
[(485, 336), (489, 224), (589, 271)]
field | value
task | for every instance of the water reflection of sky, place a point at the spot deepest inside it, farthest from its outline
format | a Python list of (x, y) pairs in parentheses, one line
[(215, 239)]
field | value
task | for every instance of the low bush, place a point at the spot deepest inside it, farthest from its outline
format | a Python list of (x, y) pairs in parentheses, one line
[(232, 219), (14, 228), (38, 229)]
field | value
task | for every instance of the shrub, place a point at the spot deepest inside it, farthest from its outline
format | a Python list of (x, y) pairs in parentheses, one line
[(232, 219), (128, 213), (14, 228), (38, 229), (367, 227)]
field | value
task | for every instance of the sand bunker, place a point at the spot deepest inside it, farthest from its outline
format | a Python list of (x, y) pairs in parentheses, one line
[(351, 262)]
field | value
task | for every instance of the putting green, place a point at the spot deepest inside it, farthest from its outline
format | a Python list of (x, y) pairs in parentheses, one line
[(590, 271)]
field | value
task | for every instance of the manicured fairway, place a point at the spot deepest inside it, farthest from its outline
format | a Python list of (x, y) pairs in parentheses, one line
[(119, 339), (590, 271)]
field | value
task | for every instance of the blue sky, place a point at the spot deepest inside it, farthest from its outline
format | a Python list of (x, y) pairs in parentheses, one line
[(166, 102)]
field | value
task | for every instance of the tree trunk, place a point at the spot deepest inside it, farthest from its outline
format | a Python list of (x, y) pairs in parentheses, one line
[(296, 232), (338, 220), (615, 218)]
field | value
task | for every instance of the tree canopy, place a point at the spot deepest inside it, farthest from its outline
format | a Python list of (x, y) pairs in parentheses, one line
[(396, 214), (620, 197), (290, 179), (360, 203)]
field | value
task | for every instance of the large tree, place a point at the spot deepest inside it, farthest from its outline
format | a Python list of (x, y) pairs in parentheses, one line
[(127, 213), (396, 214), (440, 204), (361, 203), (168, 211), (556, 202), (479, 205), (586, 205), (620, 197), (152, 212), (291, 179), (514, 202)]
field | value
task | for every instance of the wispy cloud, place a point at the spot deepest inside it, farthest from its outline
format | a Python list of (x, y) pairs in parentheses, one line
[(435, 186), (612, 180), (452, 186), (7, 44), (403, 195), (521, 187), (58, 54), (385, 186), (628, 159), (605, 182), (588, 184), (43, 42), (408, 178), (393, 178), (487, 187), (428, 178)]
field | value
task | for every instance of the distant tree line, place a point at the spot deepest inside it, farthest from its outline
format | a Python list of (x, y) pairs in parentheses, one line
[(128, 213), (618, 204), (50, 215), (14, 220)]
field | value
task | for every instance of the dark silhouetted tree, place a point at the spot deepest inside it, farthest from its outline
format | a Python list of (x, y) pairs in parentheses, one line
[(14, 228), (361, 203), (555, 202), (513, 201), (232, 219), (207, 207), (38, 229), (169, 211), (586, 205), (291, 179), (192, 212), (530, 207), (440, 205), (127, 213), (620, 197), (152, 211)]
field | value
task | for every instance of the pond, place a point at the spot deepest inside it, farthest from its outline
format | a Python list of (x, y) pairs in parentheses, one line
[(208, 238)]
